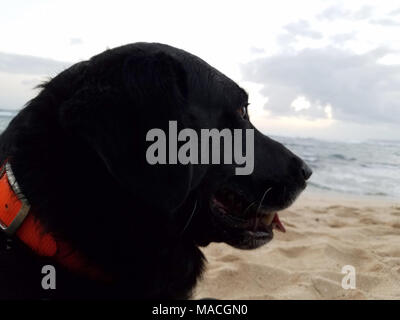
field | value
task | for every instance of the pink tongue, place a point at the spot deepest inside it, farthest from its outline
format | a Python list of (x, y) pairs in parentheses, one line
[(278, 223)]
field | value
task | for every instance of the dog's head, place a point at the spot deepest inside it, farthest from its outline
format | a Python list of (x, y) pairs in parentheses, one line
[(137, 88), (239, 209)]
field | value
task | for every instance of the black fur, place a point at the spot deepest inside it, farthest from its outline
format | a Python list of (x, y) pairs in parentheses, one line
[(78, 153)]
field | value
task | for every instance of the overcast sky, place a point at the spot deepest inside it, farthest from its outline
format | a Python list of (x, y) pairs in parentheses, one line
[(313, 68)]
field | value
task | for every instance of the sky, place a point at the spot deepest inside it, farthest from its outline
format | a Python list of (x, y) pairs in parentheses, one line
[(313, 68)]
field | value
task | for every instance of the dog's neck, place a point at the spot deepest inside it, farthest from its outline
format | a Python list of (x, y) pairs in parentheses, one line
[(17, 219)]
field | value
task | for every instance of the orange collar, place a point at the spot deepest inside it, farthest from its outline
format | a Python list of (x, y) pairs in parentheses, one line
[(17, 219)]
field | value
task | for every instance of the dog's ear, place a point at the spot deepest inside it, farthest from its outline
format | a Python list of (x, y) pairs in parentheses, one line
[(114, 111)]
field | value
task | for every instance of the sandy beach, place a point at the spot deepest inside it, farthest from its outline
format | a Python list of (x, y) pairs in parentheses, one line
[(324, 233)]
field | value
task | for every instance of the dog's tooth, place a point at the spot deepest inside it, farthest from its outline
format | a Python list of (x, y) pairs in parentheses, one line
[(266, 220)]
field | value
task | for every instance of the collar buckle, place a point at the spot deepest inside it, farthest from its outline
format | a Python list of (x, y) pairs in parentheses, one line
[(19, 218), (25, 207)]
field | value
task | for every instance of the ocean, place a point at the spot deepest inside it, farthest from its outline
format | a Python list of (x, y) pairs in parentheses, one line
[(370, 168)]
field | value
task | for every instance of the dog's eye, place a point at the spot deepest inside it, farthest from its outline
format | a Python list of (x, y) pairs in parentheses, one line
[(243, 111)]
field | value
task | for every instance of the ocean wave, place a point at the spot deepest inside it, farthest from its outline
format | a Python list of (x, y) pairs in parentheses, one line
[(320, 186), (376, 194), (341, 157)]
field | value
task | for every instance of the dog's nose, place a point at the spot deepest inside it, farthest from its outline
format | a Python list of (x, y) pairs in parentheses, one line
[(306, 171)]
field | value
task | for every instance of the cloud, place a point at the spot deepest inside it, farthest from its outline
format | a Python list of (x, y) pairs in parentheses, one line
[(17, 89), (364, 12), (19, 74), (286, 41), (75, 41), (348, 86), (31, 82), (333, 13), (23, 64), (338, 12), (385, 22), (302, 28), (256, 50), (394, 12), (342, 37)]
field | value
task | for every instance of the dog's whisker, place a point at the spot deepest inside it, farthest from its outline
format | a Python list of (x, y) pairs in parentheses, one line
[(259, 207), (248, 207), (262, 199)]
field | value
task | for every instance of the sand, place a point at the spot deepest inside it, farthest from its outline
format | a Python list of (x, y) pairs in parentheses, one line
[(324, 233)]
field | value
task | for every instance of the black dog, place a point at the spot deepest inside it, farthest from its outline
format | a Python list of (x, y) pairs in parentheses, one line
[(77, 152)]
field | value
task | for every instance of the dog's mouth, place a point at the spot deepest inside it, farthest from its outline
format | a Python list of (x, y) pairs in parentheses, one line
[(252, 221)]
